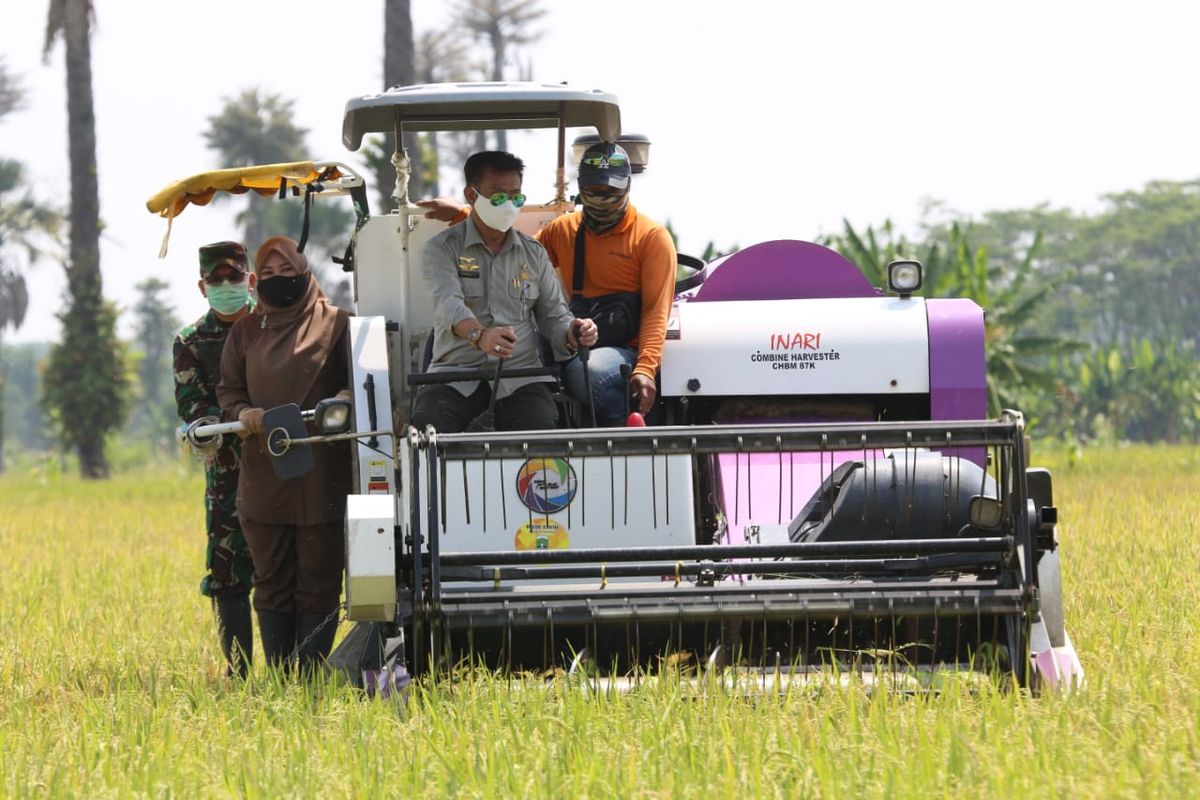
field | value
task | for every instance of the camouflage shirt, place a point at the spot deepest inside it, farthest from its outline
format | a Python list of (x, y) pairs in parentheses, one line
[(197, 365)]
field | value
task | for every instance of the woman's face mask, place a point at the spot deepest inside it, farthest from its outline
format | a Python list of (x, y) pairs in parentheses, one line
[(226, 297), (282, 291), (498, 210)]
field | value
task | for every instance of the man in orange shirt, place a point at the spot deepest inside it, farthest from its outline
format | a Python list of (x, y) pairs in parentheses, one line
[(618, 268)]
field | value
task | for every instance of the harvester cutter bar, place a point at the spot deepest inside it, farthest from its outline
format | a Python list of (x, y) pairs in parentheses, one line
[(725, 569), (477, 610)]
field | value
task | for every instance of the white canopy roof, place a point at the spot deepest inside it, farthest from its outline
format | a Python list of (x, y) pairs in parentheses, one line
[(480, 106)]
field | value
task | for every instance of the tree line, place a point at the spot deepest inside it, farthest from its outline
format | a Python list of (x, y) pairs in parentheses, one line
[(1090, 317)]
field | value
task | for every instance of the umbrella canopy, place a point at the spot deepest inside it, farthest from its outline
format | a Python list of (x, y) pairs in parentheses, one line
[(265, 180)]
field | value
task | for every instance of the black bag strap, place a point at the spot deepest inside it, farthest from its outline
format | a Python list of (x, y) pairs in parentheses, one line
[(577, 272)]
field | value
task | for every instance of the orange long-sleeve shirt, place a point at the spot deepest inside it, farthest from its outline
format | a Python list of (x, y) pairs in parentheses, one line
[(637, 255)]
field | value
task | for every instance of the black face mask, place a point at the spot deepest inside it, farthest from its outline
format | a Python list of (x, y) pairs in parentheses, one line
[(282, 291)]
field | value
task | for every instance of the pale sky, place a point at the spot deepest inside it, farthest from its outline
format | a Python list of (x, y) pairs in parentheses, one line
[(769, 119)]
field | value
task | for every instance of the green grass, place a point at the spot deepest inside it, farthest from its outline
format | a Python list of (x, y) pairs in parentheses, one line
[(111, 684)]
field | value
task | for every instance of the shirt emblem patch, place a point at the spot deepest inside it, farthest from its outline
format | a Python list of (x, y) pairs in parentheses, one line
[(468, 267)]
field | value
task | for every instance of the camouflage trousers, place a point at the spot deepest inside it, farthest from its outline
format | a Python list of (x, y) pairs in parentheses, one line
[(227, 558)]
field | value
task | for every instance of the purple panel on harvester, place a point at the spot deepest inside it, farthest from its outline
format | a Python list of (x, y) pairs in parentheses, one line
[(784, 270), (957, 367), (772, 488), (957, 364)]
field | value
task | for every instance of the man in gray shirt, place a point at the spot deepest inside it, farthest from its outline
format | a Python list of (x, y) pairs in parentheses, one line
[(494, 291)]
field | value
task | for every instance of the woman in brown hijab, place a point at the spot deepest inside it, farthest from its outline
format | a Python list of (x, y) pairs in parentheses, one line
[(292, 349)]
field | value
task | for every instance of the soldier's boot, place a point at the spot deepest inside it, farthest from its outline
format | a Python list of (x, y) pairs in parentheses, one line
[(277, 629), (315, 634), (236, 632)]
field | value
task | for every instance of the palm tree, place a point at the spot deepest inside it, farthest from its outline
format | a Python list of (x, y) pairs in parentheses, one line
[(504, 26), (11, 94), (1016, 360), (85, 377), (24, 223), (255, 127), (398, 70), (440, 56), (26, 229)]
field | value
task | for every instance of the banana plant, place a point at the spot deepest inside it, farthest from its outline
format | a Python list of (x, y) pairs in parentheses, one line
[(1017, 364)]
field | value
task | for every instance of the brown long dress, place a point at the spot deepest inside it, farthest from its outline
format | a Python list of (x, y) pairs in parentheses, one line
[(294, 528)]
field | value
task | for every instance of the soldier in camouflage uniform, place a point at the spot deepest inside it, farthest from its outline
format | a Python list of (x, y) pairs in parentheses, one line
[(225, 281)]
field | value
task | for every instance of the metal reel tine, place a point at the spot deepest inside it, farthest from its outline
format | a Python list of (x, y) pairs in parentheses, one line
[(947, 498), (653, 483), (749, 487), (667, 486), (821, 460), (545, 489), (791, 485), (503, 497), (909, 483), (984, 473), (779, 452), (937, 607), (612, 488), (466, 491), (442, 490), (737, 482), (525, 460), (570, 471), (625, 478), (863, 519), (487, 447)]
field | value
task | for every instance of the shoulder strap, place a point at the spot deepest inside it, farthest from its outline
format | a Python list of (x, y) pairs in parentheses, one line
[(577, 272)]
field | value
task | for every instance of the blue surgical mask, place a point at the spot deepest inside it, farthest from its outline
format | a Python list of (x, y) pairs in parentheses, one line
[(227, 298)]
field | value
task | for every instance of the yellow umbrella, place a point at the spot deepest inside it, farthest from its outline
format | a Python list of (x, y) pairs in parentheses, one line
[(266, 179)]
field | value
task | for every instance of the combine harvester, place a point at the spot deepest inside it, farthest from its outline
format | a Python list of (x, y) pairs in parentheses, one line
[(819, 489)]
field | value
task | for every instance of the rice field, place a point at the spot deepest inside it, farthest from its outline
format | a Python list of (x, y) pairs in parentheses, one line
[(111, 683)]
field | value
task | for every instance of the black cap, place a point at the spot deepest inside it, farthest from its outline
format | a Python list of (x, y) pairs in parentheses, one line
[(605, 164)]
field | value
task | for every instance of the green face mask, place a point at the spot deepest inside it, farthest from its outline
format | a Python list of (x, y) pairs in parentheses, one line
[(227, 298)]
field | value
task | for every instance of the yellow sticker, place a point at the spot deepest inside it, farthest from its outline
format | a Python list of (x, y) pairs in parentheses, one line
[(542, 533)]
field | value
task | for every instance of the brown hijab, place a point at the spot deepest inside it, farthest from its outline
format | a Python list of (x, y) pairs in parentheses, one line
[(294, 342)]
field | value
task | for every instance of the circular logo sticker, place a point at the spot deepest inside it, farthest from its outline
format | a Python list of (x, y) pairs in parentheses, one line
[(542, 534), (546, 485)]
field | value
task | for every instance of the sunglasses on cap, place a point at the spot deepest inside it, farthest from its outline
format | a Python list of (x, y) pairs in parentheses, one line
[(499, 198), (617, 160)]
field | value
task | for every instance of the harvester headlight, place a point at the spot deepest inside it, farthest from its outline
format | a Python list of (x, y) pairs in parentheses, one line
[(333, 415), (904, 277), (985, 512)]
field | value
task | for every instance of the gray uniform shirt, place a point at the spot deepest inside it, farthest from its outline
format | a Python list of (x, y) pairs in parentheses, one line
[(517, 287)]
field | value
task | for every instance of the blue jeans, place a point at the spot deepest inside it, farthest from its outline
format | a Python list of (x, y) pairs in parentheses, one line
[(609, 392)]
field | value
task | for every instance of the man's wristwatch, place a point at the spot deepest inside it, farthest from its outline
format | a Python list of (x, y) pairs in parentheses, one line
[(473, 336)]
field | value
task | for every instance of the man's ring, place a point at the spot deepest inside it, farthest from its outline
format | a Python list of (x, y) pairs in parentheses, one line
[(496, 348)]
